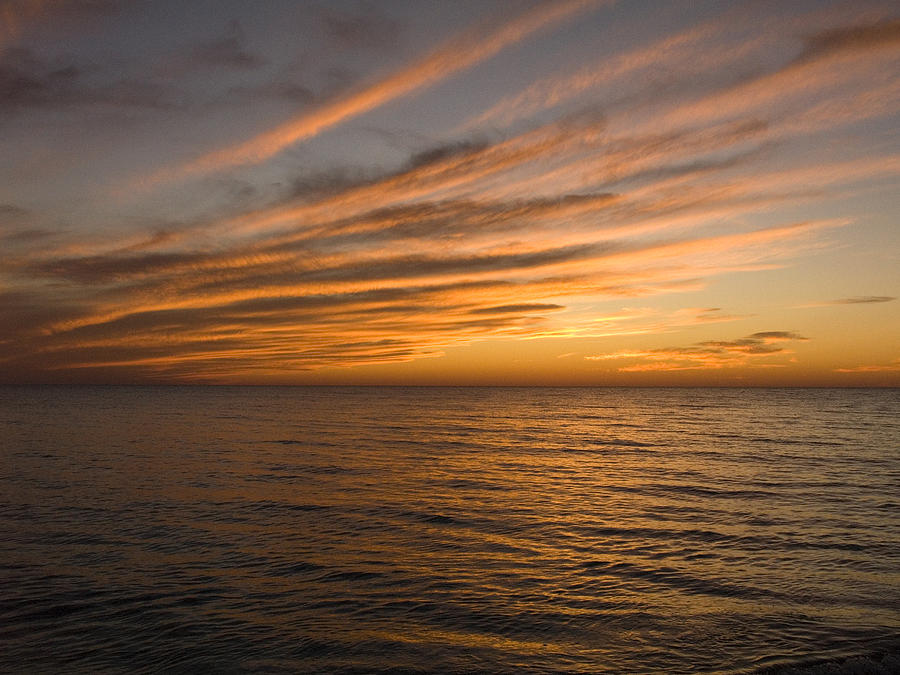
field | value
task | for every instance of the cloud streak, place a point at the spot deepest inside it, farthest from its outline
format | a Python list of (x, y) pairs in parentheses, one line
[(892, 367), (863, 300), (458, 54), (753, 351)]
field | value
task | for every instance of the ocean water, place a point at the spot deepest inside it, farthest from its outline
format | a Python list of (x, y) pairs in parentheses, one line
[(267, 529)]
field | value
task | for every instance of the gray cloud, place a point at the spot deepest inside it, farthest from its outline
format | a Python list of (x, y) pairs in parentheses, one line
[(29, 82), (367, 29), (279, 89), (445, 151), (25, 81), (320, 184), (25, 313), (228, 51), (10, 213), (708, 354), (776, 335), (27, 236), (401, 267), (744, 346), (757, 343), (863, 299), (106, 268), (851, 39), (444, 220)]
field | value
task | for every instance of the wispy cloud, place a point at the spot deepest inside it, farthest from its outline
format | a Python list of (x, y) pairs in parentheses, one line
[(227, 51), (699, 54), (367, 28), (849, 39), (680, 51), (855, 300), (768, 336), (829, 60), (893, 366), (753, 351), (863, 299), (11, 212), (458, 54), (28, 82)]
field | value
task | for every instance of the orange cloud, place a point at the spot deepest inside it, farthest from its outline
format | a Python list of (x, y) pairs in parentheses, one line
[(751, 351), (893, 366)]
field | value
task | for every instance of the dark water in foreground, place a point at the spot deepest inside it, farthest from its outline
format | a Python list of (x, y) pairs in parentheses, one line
[(446, 530)]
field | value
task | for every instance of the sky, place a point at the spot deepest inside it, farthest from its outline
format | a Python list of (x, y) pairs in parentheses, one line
[(568, 192)]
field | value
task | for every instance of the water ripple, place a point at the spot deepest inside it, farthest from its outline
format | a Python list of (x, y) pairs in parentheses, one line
[(362, 530)]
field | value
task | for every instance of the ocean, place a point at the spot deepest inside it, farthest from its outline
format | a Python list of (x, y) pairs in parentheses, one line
[(447, 530)]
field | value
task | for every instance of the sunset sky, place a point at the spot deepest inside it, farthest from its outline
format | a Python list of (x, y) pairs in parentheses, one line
[(435, 192)]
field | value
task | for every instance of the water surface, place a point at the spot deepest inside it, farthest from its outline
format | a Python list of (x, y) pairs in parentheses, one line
[(273, 529)]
